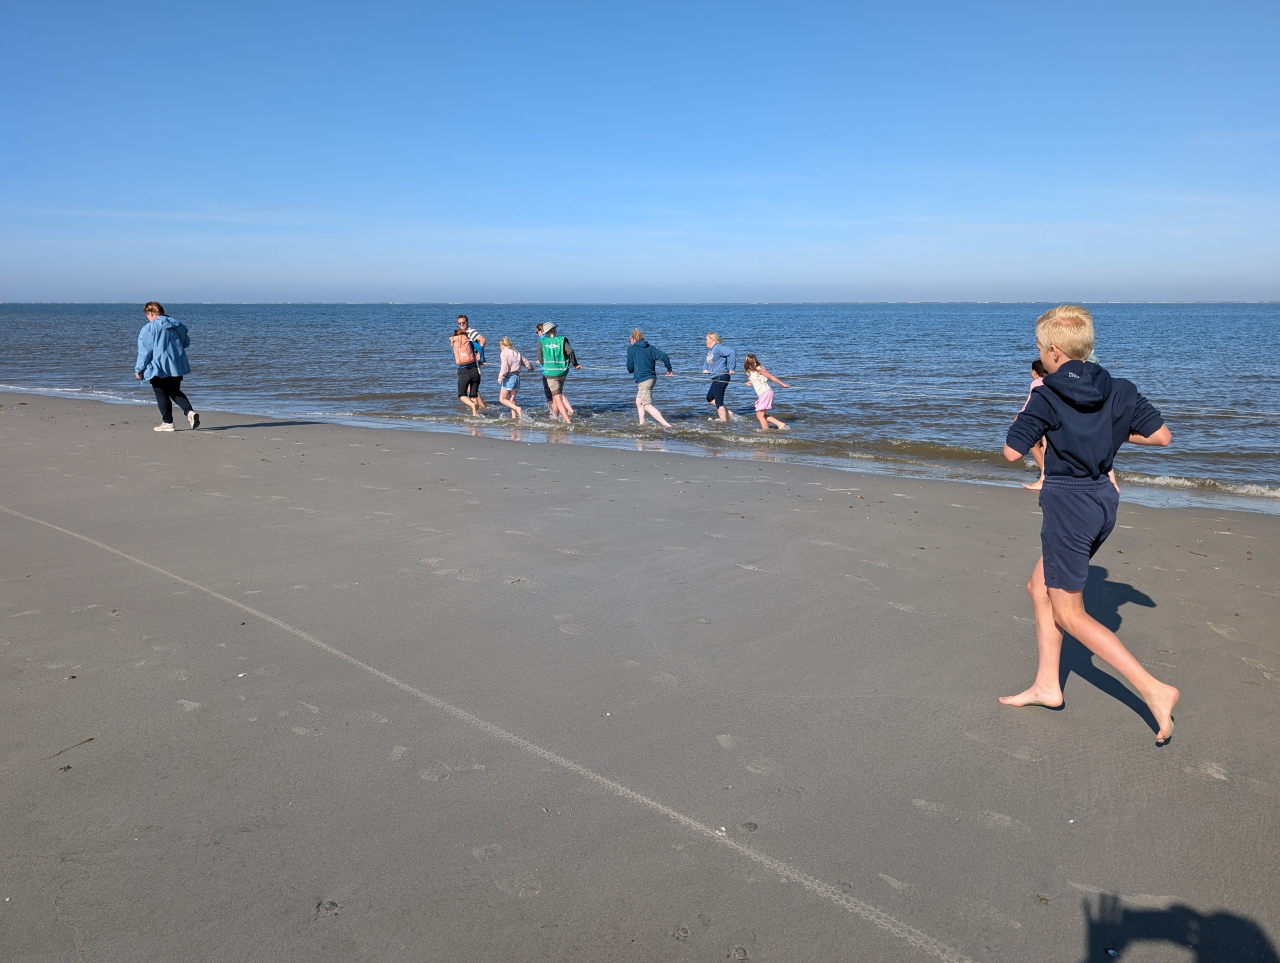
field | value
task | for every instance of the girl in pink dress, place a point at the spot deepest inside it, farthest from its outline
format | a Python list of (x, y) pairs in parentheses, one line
[(759, 377)]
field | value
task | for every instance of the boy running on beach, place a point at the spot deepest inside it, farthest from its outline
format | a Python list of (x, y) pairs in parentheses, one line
[(642, 364), (1084, 415)]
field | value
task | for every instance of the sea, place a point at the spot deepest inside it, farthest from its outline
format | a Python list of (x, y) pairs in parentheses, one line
[(922, 390)]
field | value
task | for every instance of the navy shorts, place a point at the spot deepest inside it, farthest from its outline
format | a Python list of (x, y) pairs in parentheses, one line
[(715, 393), (1079, 514)]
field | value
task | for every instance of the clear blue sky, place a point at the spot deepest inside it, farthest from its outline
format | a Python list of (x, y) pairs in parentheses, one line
[(648, 151)]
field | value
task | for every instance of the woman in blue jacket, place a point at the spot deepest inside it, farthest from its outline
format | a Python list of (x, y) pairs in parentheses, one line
[(162, 359), (721, 361)]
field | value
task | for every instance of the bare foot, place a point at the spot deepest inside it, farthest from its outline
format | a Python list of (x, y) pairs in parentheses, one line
[(1035, 696), (1161, 704), (1034, 486)]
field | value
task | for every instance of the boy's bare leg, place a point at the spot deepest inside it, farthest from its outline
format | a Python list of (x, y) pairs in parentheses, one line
[(656, 415), (1068, 609), (1046, 690), (470, 403)]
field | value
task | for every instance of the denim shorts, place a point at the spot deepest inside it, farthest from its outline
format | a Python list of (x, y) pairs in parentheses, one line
[(1079, 514), (510, 383)]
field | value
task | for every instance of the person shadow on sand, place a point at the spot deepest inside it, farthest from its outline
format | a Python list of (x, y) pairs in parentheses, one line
[(1112, 929)]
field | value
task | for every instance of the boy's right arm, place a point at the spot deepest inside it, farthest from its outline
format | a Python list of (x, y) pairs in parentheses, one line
[(1026, 430)]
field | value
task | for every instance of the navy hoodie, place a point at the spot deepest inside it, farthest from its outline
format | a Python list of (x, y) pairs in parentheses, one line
[(642, 361), (1084, 415)]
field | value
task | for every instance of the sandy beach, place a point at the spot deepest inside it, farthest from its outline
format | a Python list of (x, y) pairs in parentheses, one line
[(290, 691)]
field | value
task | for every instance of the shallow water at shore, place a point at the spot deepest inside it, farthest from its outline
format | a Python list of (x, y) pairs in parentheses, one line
[(913, 389)]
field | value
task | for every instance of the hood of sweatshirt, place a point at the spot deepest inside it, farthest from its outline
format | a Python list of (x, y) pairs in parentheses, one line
[(1083, 385)]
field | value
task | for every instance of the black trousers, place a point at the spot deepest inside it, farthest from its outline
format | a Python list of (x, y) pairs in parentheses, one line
[(169, 390)]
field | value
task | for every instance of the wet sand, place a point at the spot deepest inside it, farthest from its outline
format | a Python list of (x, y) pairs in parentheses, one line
[(302, 692)]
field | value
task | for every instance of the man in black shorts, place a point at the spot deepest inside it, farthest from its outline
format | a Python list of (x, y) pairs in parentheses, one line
[(464, 356)]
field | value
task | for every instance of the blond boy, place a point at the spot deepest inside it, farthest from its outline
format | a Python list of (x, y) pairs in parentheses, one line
[(1084, 415)]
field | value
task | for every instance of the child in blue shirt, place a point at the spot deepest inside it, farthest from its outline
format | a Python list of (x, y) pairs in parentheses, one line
[(1084, 416)]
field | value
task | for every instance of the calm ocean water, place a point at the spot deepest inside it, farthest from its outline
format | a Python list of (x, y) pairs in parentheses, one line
[(912, 389)]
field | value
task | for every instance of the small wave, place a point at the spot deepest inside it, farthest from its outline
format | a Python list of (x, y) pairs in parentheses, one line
[(1201, 484)]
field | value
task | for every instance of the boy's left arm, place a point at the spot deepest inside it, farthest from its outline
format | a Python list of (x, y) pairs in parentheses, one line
[(1147, 426), (1160, 437)]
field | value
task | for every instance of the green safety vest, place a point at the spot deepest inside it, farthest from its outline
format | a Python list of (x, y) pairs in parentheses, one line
[(553, 361)]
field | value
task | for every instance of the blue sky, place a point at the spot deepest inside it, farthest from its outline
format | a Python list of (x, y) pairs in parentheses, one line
[(597, 151)]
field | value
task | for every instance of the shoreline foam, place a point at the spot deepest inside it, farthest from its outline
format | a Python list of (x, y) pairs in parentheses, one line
[(1157, 491)]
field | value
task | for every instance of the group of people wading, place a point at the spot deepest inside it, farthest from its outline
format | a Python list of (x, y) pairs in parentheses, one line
[(556, 357)]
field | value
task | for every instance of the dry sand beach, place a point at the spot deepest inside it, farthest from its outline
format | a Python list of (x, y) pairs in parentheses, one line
[(286, 691)]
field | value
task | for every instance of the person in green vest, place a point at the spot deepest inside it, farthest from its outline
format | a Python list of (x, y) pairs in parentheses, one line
[(556, 357)]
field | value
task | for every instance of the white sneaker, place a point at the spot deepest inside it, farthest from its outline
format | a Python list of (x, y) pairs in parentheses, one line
[(193, 419), (164, 426)]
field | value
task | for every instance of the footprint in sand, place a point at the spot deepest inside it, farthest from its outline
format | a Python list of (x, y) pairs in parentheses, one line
[(520, 885), (752, 762)]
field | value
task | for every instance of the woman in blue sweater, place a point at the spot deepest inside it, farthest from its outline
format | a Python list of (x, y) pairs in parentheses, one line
[(720, 363)]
